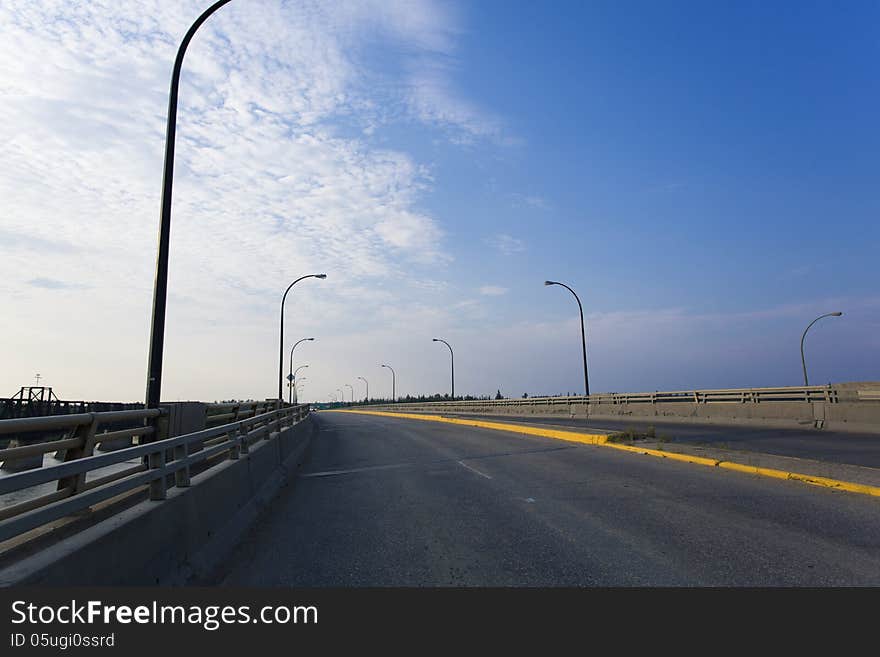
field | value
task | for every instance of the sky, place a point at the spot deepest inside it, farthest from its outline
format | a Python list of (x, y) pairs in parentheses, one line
[(704, 175)]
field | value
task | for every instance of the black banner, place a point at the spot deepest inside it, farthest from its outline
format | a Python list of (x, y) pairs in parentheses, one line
[(131, 621)]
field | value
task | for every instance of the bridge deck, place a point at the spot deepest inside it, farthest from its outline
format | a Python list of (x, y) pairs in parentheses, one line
[(387, 501)]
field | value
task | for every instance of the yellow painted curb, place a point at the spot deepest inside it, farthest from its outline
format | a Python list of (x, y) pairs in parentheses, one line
[(755, 470), (672, 456), (602, 440), (570, 436)]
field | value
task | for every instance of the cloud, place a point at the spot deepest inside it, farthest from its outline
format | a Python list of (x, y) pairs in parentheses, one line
[(530, 201), (506, 244), (276, 174), (433, 99), (492, 290), (51, 284)]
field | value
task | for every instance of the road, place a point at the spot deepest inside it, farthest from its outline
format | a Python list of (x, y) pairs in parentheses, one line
[(393, 502), (832, 446)]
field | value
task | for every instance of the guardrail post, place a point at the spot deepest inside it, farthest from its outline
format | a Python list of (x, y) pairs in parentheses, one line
[(235, 447), (181, 477), (242, 438), (158, 489), (162, 428), (275, 423), (86, 434)]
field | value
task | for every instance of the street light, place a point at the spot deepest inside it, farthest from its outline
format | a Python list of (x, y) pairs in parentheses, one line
[(393, 383), (341, 394), (367, 398), (160, 286), (352, 391), (281, 336), (452, 362), (291, 376), (583, 335), (803, 361)]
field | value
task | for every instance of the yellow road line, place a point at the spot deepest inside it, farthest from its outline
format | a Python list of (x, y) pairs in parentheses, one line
[(602, 440), (571, 436)]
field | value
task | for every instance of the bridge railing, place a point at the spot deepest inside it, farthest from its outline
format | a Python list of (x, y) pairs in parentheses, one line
[(233, 411), (162, 463), (826, 394)]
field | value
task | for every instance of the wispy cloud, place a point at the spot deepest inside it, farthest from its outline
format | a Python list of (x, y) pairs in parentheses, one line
[(271, 181), (506, 244), (530, 201), (492, 290), (51, 284), (433, 99)]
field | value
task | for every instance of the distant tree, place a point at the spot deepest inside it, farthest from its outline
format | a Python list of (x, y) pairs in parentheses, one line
[(525, 395), (498, 395)]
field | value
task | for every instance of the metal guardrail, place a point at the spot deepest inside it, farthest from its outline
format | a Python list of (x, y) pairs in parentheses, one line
[(826, 394), (82, 432), (236, 410), (159, 459)]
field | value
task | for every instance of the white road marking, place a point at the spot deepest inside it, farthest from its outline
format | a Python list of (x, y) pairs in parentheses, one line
[(465, 465), (334, 473)]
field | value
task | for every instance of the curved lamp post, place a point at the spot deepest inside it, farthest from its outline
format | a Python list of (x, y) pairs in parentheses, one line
[(367, 398), (291, 376), (295, 387), (583, 335), (393, 383), (281, 337), (341, 394), (348, 385), (803, 361), (451, 361), (160, 287)]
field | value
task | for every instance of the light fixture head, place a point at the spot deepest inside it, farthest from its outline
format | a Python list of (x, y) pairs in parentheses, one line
[(320, 275), (836, 314), (549, 282)]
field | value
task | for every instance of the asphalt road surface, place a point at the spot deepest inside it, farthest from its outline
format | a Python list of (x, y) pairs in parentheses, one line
[(393, 502), (808, 443)]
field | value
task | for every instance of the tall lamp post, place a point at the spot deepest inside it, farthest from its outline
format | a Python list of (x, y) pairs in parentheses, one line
[(292, 382), (367, 398), (341, 394), (803, 360), (291, 376), (160, 286), (583, 334), (348, 385), (452, 363), (393, 383), (281, 336)]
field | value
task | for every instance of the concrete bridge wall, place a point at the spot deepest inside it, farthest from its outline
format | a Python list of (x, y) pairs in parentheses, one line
[(170, 541), (849, 415)]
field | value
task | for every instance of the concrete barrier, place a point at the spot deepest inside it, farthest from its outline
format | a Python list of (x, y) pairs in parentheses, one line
[(173, 541), (861, 416)]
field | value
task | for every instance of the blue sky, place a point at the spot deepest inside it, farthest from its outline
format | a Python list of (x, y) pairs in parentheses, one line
[(704, 174)]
